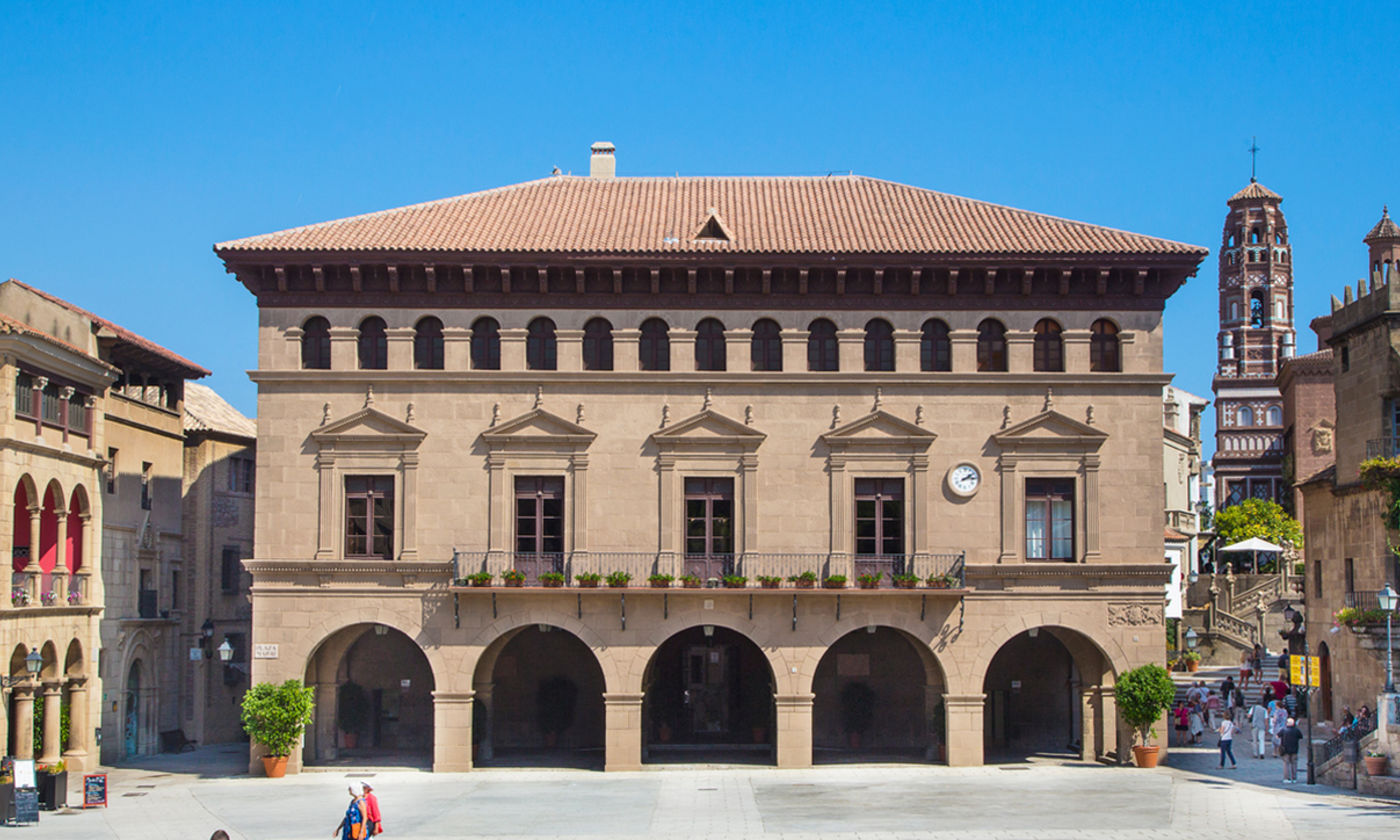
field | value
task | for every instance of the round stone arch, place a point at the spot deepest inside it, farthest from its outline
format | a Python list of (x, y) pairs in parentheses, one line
[(51, 671), (633, 669), (327, 630), (493, 638), (917, 632), (74, 667), (972, 678)]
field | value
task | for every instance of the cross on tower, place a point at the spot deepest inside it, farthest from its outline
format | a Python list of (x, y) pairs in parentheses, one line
[(1253, 156)]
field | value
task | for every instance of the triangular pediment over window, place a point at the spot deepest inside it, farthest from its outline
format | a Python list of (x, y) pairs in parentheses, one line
[(708, 428), (369, 425), (879, 428), (537, 427), (1051, 428)]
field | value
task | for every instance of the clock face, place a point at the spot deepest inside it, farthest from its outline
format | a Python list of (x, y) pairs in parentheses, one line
[(964, 479)]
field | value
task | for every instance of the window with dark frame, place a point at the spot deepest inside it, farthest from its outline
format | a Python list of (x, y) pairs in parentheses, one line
[(240, 474), (1317, 577), (541, 347), (597, 344), (427, 344), (486, 344), (709, 345), (991, 346), (935, 347), (879, 345), (373, 344), (1104, 349), (766, 346), (879, 517), (1048, 349), (1050, 519), (369, 516), (539, 515), (709, 517), (145, 485), (654, 348), (316, 344), (1349, 579), (230, 568), (110, 469), (822, 350)]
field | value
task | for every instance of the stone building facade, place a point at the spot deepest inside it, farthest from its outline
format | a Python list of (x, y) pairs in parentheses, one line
[(731, 380)]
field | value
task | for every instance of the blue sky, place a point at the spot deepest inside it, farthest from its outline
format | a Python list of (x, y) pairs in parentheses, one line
[(135, 136)]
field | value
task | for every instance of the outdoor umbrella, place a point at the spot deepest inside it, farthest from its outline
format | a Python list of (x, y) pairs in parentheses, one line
[(1253, 545)]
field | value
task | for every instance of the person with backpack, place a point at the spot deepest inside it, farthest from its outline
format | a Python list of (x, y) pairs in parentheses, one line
[(352, 825)]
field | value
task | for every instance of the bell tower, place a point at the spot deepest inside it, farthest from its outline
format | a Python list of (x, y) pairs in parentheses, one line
[(1384, 244), (1256, 335)]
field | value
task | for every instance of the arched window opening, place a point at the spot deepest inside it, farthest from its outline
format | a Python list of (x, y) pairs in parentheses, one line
[(73, 542), (1254, 236), (1234, 310), (879, 345), (709, 345), (1231, 241), (486, 344), (1256, 308), (1104, 356), (1278, 237), (935, 348), (21, 540), (1245, 416), (1049, 347), (374, 344), (821, 346), (991, 346), (541, 348), (597, 344), (1274, 416), (316, 344), (766, 346), (655, 346), (427, 344)]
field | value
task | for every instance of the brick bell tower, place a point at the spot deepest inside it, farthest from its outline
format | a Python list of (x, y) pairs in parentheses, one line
[(1256, 335)]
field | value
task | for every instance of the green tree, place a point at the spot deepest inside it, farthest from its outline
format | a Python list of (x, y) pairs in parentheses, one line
[(1142, 695), (1257, 518), (276, 715)]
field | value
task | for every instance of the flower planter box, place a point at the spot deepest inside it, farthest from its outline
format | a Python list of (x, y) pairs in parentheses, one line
[(735, 584), (769, 584), (865, 584), (586, 584), (480, 582), (515, 583), (618, 584), (552, 584), (660, 584), (690, 584), (53, 790), (833, 584), (805, 584), (905, 584)]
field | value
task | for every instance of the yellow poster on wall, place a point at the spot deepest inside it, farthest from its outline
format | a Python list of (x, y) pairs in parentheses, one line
[(1296, 671)]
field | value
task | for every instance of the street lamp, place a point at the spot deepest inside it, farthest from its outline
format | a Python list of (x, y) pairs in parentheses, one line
[(1388, 599), (1296, 618), (1191, 638), (33, 663), (225, 651)]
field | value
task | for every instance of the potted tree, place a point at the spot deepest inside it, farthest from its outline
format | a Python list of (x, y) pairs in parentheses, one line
[(1143, 694), (351, 713), (857, 711), (555, 701), (276, 716)]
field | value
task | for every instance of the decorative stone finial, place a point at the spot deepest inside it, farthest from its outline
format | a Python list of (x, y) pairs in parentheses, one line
[(1089, 415), (578, 415), (665, 414), (835, 416), (325, 414), (539, 396), (495, 413), (709, 392), (879, 399), (748, 415), (369, 396), (409, 415), (1049, 399), (918, 415), (1005, 416)]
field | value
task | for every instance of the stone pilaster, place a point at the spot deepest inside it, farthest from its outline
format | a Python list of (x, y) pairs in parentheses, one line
[(452, 731), (964, 728), (623, 735), (794, 729)]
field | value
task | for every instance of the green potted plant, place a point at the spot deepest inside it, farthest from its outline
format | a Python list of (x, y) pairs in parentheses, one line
[(804, 580), (618, 580), (53, 785), (276, 716), (1192, 660), (660, 581), (351, 712), (869, 580), (857, 711), (769, 581), (552, 580), (513, 577), (690, 581), (1142, 695), (941, 581), (735, 581), (480, 579), (588, 580), (905, 581), (555, 701), (1375, 763), (834, 582), (7, 786)]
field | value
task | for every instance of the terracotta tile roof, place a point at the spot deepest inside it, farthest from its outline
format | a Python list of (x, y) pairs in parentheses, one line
[(206, 411), (1385, 229), (1173, 535), (122, 334), (840, 214), (14, 325), (1254, 191)]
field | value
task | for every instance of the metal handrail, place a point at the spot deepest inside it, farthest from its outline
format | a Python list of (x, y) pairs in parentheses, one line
[(1386, 447), (1333, 747)]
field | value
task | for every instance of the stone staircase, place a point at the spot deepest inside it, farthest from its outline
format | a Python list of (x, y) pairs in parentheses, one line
[(1231, 614), (1213, 677)]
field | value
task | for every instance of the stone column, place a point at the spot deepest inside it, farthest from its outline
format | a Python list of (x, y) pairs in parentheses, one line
[(569, 344), (682, 349), (623, 725), (456, 348), (513, 348), (452, 731), (964, 728), (794, 350), (738, 350), (24, 720), (850, 350), (794, 729), (482, 694), (53, 731), (399, 341), (1020, 351), (1091, 712), (79, 730), (906, 351), (627, 349), (321, 742), (344, 348)]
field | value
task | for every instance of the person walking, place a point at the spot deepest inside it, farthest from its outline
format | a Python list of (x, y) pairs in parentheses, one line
[(1226, 731), (374, 823), (1246, 668), (1197, 722), (1259, 728), (1227, 689), (1256, 664), (352, 825), (1182, 725), (1213, 708), (1289, 739), (1278, 719)]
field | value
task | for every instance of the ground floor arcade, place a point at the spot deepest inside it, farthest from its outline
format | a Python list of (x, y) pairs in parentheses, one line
[(428, 675)]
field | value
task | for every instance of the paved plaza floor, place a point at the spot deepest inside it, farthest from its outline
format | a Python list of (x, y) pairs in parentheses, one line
[(187, 797)]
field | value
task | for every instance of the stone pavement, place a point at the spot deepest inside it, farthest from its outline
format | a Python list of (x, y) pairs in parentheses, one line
[(187, 797)]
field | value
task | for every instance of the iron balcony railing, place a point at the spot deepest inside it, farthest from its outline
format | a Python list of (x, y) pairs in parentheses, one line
[(1333, 747), (1363, 599), (1386, 447), (946, 568)]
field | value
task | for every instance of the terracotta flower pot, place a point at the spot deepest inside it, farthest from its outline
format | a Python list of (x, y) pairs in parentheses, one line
[(275, 766), (1146, 757), (690, 584), (550, 583), (660, 584), (515, 582), (769, 584), (803, 583), (1375, 765), (586, 584), (1192, 665), (904, 584)]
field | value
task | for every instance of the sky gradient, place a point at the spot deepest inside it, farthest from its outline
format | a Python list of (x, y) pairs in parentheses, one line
[(136, 136)]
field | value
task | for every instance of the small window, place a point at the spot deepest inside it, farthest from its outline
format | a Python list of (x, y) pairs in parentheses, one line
[(110, 470), (1245, 416), (369, 516), (1275, 416), (709, 345), (1349, 578), (1049, 346), (1104, 347), (766, 346), (541, 348), (539, 515), (24, 395), (597, 345), (1049, 519), (879, 345), (879, 516), (991, 346), (486, 344), (1346, 358), (1256, 308), (821, 346), (230, 569), (240, 475), (146, 485), (1234, 310), (427, 344), (373, 344), (1254, 236), (655, 346), (316, 344), (174, 589), (1317, 576), (935, 347), (709, 517)]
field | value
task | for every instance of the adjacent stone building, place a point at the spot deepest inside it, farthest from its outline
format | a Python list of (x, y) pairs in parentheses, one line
[(1181, 488), (730, 382)]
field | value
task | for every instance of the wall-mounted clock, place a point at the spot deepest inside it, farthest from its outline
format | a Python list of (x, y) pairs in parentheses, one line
[(964, 479)]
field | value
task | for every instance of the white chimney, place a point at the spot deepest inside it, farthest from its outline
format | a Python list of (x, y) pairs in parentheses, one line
[(603, 164)]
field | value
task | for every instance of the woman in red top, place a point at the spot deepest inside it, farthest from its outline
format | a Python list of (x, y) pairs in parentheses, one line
[(372, 819)]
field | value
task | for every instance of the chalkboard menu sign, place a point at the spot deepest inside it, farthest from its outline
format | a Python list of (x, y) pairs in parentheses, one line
[(26, 806), (95, 790)]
